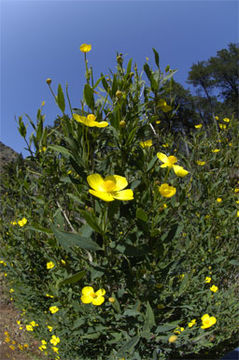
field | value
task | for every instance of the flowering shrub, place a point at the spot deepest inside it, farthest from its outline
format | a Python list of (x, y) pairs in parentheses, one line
[(157, 244)]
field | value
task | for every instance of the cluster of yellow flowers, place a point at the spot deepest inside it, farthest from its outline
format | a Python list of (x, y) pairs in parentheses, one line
[(13, 345), (21, 222)]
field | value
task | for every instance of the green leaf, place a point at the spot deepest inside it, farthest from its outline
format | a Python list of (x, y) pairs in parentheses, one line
[(89, 96), (91, 221), (128, 346), (73, 279), (149, 320), (38, 228), (151, 164), (60, 149), (60, 98), (166, 327), (141, 214), (156, 57), (129, 66), (69, 240), (147, 71)]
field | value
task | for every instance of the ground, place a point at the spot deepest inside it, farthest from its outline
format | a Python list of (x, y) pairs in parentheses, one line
[(15, 343)]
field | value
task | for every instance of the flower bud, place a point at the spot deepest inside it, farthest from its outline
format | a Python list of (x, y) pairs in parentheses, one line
[(122, 123), (118, 93), (48, 81)]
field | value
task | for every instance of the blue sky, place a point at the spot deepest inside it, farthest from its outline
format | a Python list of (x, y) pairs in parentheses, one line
[(41, 39)]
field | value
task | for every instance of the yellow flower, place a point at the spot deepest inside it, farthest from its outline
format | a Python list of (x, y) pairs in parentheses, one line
[(50, 328), (29, 328), (216, 117), (55, 349), (167, 190), (11, 290), (192, 322), (181, 277), (110, 188), (236, 190), (208, 321), (43, 103), (90, 121), (111, 299), (178, 330), (20, 347), (198, 126), (237, 213), (85, 48), (22, 222), (13, 223), (222, 126), (215, 150), (7, 339), (164, 106), (3, 262), (50, 265), (147, 143), (208, 280), (169, 161), (214, 288), (158, 122), (89, 296), (165, 145), (226, 120), (54, 340), (63, 262), (219, 199), (50, 296), (172, 338), (33, 323), (53, 309), (44, 342), (12, 347)]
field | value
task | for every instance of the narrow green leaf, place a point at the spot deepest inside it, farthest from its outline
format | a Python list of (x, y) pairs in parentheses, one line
[(91, 221), (69, 240), (61, 98), (147, 71), (149, 319), (38, 228), (129, 66), (60, 149), (141, 214), (156, 57), (152, 162), (128, 346), (89, 96), (73, 279)]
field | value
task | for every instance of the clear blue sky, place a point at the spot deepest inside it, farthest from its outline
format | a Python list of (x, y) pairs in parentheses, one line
[(41, 39)]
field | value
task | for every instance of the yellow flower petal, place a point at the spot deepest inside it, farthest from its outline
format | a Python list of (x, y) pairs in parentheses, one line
[(100, 292), (124, 195), (120, 182), (102, 195), (180, 171), (162, 157), (96, 182), (100, 124), (98, 300), (87, 290), (86, 299)]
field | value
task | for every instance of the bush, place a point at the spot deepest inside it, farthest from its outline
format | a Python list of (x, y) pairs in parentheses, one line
[(138, 261)]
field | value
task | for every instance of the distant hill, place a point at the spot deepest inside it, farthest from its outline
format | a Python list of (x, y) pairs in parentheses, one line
[(7, 155)]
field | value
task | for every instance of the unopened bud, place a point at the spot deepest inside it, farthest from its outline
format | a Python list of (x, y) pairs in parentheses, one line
[(119, 59), (131, 74), (172, 338), (118, 93), (48, 81), (111, 299), (122, 123)]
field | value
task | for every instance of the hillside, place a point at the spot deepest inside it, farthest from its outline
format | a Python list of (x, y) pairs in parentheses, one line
[(6, 155)]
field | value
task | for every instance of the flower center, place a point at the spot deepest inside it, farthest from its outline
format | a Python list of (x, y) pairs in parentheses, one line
[(109, 185)]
